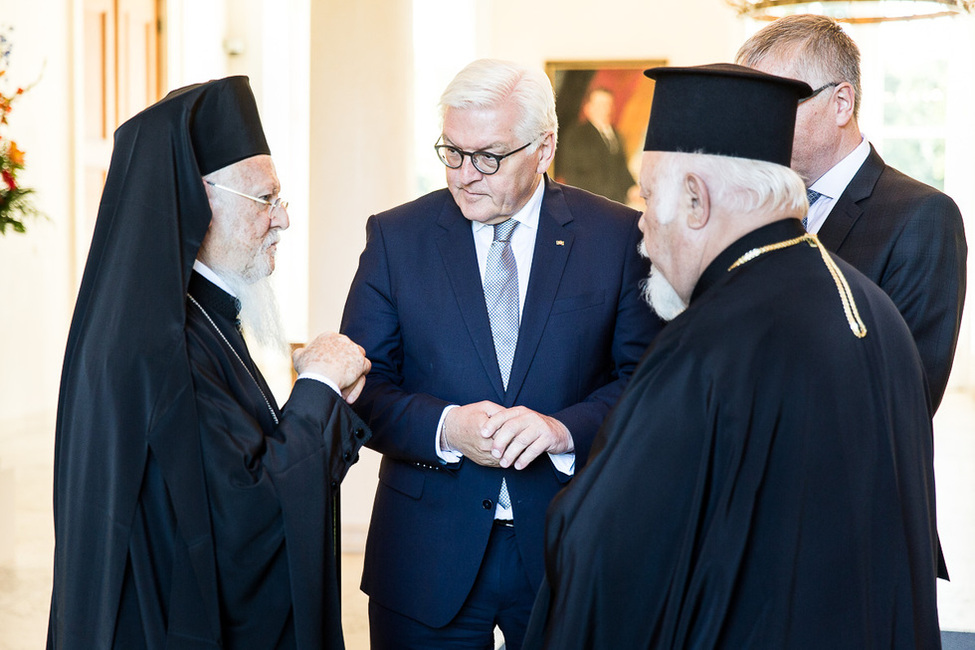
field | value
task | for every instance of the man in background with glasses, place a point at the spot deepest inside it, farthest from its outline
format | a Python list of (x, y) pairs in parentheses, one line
[(503, 318), (907, 237), (189, 509)]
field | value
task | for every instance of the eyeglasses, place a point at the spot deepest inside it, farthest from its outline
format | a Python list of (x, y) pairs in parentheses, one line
[(819, 90), (275, 204), (484, 161)]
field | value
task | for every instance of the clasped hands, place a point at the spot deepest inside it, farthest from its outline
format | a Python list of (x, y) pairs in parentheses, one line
[(494, 436), (337, 357)]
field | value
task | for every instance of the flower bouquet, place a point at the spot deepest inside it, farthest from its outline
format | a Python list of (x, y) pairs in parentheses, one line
[(15, 199)]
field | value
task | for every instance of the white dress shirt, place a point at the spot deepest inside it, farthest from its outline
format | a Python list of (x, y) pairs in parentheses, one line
[(833, 183)]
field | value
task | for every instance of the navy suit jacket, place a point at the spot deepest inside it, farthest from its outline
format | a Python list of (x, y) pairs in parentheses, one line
[(417, 307), (909, 239)]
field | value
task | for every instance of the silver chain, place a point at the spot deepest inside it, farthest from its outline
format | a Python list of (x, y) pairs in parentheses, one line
[(246, 369)]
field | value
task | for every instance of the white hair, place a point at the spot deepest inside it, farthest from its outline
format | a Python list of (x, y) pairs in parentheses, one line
[(738, 185), (488, 83)]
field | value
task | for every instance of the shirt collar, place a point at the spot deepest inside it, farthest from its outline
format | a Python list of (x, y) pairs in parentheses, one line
[(212, 276), (529, 213), (834, 182)]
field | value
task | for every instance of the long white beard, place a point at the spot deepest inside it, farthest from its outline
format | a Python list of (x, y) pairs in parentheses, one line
[(260, 317), (659, 293)]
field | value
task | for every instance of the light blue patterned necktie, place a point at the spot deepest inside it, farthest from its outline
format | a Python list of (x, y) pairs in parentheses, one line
[(811, 196), (501, 297)]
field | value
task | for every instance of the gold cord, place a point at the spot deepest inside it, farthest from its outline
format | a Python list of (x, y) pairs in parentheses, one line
[(846, 295)]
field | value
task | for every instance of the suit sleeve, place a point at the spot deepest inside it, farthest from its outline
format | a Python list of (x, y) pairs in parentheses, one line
[(926, 281), (636, 326), (405, 424)]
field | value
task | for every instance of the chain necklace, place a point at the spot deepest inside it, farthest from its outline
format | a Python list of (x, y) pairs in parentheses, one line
[(857, 326), (274, 415)]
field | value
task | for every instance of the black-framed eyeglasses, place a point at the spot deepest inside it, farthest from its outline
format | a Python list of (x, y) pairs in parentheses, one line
[(484, 161), (275, 204), (819, 90)]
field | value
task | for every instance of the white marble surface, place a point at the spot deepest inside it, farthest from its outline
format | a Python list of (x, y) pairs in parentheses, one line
[(27, 537)]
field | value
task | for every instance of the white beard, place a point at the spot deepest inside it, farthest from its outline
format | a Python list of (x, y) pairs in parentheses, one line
[(659, 293), (260, 317)]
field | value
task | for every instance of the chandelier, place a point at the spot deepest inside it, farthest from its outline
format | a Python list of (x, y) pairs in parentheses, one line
[(853, 11)]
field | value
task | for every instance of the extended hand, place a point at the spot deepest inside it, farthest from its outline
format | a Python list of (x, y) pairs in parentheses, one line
[(519, 435), (462, 431), (337, 357)]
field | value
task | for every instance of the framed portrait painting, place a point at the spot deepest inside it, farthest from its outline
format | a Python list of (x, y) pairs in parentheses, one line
[(603, 107)]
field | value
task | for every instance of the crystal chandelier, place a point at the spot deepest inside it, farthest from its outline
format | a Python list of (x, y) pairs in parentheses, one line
[(853, 11)]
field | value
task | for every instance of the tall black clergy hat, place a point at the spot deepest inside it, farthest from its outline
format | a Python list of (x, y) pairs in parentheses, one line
[(724, 109), (224, 124)]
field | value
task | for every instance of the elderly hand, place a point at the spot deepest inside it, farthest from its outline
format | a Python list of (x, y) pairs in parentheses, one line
[(337, 357), (462, 431), (519, 435)]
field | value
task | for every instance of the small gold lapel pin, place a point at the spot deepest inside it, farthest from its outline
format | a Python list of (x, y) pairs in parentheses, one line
[(560, 242)]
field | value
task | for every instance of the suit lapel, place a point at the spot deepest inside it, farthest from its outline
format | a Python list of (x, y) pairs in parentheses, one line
[(553, 241), (456, 244), (847, 210)]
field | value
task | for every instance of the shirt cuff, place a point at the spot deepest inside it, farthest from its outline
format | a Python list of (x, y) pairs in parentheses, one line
[(564, 463), (448, 456), (322, 378)]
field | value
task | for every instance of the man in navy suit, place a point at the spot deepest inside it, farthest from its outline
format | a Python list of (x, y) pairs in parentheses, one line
[(906, 236), (480, 426)]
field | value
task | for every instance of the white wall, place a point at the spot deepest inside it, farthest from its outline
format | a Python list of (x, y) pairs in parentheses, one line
[(361, 162), (39, 283), (361, 144), (195, 34), (35, 296), (688, 32)]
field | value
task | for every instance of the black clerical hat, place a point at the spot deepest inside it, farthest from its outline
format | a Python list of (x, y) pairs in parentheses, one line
[(724, 109), (224, 124)]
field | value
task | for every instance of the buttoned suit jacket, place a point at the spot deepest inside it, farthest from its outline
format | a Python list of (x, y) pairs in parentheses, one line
[(417, 307), (909, 239)]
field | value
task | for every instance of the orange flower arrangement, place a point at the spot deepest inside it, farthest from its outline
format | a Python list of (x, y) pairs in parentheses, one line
[(15, 204)]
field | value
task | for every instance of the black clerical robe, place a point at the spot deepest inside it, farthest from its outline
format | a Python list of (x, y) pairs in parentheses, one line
[(270, 477), (184, 517), (766, 481), (265, 494)]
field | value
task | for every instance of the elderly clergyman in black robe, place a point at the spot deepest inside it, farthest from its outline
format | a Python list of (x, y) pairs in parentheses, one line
[(766, 480), (189, 509)]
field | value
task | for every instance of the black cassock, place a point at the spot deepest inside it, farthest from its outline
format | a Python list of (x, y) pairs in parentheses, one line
[(765, 481), (184, 516), (269, 479)]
